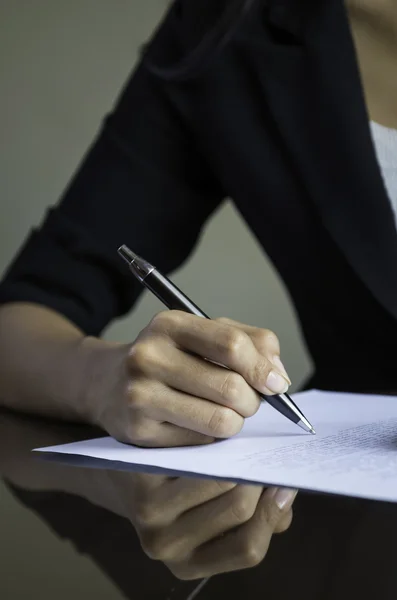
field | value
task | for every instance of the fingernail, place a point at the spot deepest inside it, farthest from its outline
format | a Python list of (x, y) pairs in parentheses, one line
[(280, 367), (284, 498), (277, 383)]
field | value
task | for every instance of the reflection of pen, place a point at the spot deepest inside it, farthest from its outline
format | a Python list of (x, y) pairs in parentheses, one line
[(174, 299)]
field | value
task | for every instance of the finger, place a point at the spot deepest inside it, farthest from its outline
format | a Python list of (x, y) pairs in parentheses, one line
[(190, 374), (130, 490), (137, 485), (228, 346), (157, 500), (217, 516), (264, 340), (175, 497), (180, 495), (187, 412), (167, 435), (203, 379), (242, 548), (274, 505)]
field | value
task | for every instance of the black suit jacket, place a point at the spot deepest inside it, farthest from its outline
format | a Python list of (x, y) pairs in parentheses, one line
[(277, 121)]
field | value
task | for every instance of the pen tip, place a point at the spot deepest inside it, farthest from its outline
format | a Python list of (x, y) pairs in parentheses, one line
[(306, 426)]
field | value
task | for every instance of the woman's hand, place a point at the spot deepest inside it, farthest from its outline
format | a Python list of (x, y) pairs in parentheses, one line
[(200, 528), (161, 390)]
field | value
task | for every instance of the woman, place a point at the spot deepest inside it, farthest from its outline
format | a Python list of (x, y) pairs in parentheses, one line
[(259, 101)]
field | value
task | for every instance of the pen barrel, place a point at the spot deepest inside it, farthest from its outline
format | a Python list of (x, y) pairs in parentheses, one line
[(170, 295), (284, 405)]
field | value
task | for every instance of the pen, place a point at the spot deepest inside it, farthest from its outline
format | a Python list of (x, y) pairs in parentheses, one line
[(174, 299)]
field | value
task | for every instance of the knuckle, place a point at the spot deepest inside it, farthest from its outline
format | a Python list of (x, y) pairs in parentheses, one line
[(167, 320), (224, 422), (259, 371), (142, 432), (233, 342), (233, 387), (156, 546), (137, 394), (160, 321), (146, 513), (241, 507), (267, 337), (142, 356), (224, 486), (224, 321), (251, 554)]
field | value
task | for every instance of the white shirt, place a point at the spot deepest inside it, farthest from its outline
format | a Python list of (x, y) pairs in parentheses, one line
[(385, 142)]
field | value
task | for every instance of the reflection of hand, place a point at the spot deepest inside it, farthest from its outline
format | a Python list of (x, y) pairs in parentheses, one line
[(200, 528), (196, 527)]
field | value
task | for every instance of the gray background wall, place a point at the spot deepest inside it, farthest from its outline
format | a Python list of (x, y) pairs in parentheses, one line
[(62, 64)]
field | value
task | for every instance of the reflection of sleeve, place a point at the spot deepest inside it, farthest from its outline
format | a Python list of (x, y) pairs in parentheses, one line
[(109, 540), (143, 183)]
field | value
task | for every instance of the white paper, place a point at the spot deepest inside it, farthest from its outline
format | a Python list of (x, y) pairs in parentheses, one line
[(354, 452)]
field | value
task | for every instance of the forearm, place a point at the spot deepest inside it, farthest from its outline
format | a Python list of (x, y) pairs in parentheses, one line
[(42, 363)]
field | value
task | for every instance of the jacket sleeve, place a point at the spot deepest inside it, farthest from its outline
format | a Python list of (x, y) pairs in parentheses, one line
[(143, 183)]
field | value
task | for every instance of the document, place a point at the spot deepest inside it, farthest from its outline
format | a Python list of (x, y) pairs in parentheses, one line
[(354, 452)]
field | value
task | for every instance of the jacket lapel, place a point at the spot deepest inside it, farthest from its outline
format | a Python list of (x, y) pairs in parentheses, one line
[(319, 109)]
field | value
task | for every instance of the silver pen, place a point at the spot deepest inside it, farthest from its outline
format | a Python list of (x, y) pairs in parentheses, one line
[(174, 299)]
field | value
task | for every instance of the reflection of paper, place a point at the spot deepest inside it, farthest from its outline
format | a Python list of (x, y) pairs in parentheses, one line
[(354, 452)]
